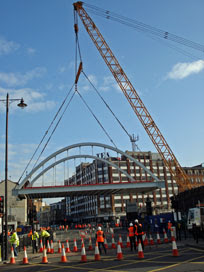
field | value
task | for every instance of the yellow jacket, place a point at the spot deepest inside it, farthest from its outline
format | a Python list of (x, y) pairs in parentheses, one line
[(14, 239)]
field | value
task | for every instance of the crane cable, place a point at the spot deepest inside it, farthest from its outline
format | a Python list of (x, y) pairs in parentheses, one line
[(122, 126), (76, 89), (76, 81), (46, 132), (144, 27)]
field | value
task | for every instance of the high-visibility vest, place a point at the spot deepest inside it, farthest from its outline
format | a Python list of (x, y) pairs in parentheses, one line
[(131, 231), (138, 232), (100, 237), (169, 225), (35, 236), (44, 233)]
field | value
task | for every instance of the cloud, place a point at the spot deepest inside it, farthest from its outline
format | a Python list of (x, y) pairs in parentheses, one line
[(7, 47), (31, 51), (109, 84), (182, 70), (18, 79), (35, 100)]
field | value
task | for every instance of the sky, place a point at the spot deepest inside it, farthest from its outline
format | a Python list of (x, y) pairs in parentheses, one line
[(37, 62)]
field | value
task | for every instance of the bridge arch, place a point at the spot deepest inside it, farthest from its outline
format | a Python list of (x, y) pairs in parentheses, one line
[(47, 164)]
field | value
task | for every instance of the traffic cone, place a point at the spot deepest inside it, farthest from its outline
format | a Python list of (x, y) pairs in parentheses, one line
[(165, 237), (140, 251), (59, 247), (41, 246), (119, 252), (105, 243), (90, 243), (51, 247), (63, 257), (82, 242), (97, 255), (113, 242), (44, 258), (145, 240), (158, 238), (151, 240), (83, 254), (172, 235), (174, 248), (128, 241), (75, 249), (12, 259), (67, 247), (120, 241), (48, 246), (25, 259)]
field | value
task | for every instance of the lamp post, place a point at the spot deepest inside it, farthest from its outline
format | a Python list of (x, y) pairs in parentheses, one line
[(21, 105)]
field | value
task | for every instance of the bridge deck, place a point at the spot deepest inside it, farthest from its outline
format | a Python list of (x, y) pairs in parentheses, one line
[(89, 190)]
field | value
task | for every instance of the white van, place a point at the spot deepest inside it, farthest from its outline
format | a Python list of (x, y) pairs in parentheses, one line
[(195, 216)]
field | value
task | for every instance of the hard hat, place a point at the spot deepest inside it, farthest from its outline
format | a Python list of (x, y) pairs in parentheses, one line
[(131, 224), (99, 228), (136, 220)]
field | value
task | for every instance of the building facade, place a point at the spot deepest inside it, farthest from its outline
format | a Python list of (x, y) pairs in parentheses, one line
[(107, 208)]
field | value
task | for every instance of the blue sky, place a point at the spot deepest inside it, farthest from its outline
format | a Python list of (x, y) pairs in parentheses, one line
[(37, 60)]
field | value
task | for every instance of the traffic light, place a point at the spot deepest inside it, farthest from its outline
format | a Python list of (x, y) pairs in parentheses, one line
[(1, 206)]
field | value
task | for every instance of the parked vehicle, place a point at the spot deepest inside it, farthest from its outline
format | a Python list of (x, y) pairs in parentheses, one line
[(195, 217)]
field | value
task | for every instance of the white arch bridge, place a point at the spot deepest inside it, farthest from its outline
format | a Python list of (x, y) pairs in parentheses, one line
[(84, 169)]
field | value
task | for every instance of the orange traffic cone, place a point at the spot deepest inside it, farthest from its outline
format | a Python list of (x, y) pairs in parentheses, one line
[(165, 237), (158, 238), (67, 247), (151, 240), (90, 243), (12, 259), (97, 255), (83, 254), (63, 257), (128, 241), (145, 240), (172, 235), (59, 247), (120, 241), (44, 258), (41, 246), (25, 259), (119, 252), (113, 242), (174, 248), (51, 247), (48, 246), (75, 249), (140, 251), (105, 243)]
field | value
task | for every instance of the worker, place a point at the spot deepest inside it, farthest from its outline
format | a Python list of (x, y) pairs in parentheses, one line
[(14, 240), (35, 241), (139, 232), (132, 237), (45, 237), (169, 226), (100, 239)]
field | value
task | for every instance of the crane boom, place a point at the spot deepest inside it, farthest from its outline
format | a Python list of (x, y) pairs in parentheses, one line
[(133, 98)]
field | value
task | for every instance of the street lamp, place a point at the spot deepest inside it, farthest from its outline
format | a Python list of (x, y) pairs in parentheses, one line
[(21, 105)]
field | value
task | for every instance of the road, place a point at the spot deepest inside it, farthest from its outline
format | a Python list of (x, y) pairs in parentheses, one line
[(156, 258)]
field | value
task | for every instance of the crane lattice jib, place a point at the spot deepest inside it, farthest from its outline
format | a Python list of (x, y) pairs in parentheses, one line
[(134, 100)]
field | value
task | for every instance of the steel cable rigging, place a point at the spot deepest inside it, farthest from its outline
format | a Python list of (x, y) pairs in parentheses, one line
[(80, 95), (139, 26), (47, 131)]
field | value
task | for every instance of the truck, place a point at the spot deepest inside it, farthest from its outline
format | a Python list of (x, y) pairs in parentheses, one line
[(195, 217)]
